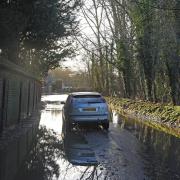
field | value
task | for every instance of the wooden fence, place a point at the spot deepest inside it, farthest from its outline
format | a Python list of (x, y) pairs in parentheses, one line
[(19, 95)]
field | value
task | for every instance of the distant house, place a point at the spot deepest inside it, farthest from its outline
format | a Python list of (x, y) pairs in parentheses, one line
[(67, 88), (52, 85)]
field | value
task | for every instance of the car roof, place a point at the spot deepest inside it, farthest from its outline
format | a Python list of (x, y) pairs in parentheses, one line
[(85, 93)]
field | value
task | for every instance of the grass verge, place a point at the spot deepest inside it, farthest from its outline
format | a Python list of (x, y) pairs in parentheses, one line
[(165, 117)]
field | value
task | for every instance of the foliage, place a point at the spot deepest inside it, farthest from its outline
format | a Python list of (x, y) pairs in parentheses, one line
[(162, 114), (137, 43), (36, 34)]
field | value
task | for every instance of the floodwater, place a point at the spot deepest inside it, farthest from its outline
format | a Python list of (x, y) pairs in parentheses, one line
[(130, 150)]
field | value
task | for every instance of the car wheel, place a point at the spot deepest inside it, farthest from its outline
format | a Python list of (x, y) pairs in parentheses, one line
[(106, 126), (69, 127)]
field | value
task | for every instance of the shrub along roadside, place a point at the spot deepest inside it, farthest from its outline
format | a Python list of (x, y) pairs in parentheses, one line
[(161, 116)]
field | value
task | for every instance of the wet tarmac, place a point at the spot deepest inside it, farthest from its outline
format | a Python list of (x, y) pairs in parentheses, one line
[(130, 150)]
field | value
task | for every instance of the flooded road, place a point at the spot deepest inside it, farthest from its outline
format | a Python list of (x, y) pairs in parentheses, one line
[(130, 150)]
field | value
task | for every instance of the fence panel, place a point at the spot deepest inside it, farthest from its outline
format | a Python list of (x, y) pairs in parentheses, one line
[(13, 102), (1, 103), (24, 101), (19, 91)]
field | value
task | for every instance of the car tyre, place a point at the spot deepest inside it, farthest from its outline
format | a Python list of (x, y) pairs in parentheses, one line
[(106, 126), (69, 127)]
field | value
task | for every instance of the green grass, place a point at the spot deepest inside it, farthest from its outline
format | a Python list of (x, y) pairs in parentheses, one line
[(177, 108), (164, 116)]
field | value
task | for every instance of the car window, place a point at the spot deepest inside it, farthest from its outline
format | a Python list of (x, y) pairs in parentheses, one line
[(88, 99), (87, 96)]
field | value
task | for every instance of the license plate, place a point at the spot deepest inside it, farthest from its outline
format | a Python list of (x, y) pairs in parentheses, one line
[(89, 109)]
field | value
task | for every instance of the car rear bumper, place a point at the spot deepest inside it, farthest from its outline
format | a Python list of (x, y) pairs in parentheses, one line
[(89, 119)]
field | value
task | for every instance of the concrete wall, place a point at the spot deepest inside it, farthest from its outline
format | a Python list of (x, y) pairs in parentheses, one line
[(19, 119)]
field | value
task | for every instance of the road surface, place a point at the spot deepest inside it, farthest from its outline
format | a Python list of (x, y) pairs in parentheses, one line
[(128, 151)]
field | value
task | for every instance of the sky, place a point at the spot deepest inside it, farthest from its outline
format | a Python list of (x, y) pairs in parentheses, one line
[(77, 63)]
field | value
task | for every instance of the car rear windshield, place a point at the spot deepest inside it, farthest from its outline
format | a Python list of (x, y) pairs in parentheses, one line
[(88, 99)]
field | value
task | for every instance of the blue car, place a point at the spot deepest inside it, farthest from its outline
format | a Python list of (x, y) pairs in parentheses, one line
[(86, 108)]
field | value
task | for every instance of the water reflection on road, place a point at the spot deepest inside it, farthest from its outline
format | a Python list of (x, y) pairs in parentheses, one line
[(51, 119), (160, 151), (51, 116), (129, 151)]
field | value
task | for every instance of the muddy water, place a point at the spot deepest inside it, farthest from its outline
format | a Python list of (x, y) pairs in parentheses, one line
[(130, 150), (160, 151)]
